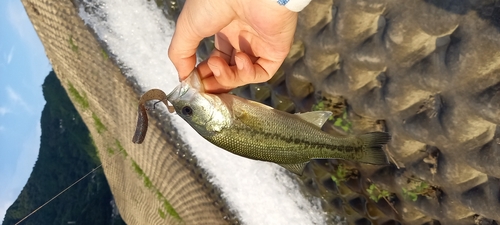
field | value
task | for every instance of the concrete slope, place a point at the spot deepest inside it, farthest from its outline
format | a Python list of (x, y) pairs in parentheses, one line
[(154, 183)]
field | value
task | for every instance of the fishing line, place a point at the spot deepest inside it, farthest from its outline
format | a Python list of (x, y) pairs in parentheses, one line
[(60, 193), (150, 95)]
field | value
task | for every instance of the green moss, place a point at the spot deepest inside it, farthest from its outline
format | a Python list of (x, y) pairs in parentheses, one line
[(159, 196), (81, 100), (147, 182), (119, 145), (104, 54), (137, 169), (170, 210), (121, 149), (140, 172), (162, 214), (125, 154), (110, 151), (72, 44), (98, 124)]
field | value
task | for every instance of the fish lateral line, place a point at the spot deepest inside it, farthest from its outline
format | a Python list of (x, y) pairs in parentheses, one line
[(303, 142)]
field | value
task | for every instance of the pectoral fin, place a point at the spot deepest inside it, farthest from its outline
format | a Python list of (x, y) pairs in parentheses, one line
[(317, 118), (295, 168)]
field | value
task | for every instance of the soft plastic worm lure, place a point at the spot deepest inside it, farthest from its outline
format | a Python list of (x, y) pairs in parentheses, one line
[(142, 115)]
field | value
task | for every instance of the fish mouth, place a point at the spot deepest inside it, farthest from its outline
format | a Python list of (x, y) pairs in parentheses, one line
[(177, 92), (193, 81), (175, 95)]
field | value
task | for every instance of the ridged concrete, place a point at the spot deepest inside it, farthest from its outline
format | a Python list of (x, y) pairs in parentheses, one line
[(426, 71), (81, 65)]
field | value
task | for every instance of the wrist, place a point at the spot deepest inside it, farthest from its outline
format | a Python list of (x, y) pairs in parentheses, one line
[(294, 5)]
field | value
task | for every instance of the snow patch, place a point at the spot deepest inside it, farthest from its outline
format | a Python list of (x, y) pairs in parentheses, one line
[(139, 35)]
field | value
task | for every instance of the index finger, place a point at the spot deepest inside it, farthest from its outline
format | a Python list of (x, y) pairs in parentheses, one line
[(182, 49)]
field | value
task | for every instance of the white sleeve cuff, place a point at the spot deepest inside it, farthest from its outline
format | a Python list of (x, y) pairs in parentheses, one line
[(294, 5)]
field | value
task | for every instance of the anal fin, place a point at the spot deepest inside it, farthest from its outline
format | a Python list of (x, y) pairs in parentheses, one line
[(297, 168)]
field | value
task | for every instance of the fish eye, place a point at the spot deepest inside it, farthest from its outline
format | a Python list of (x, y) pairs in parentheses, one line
[(187, 111)]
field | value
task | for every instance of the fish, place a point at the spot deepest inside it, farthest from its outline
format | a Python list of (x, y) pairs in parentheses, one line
[(256, 131)]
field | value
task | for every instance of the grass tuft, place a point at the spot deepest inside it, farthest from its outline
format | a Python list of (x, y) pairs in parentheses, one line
[(376, 194), (120, 147), (341, 174), (166, 205), (81, 100), (147, 182), (416, 188), (162, 214), (137, 169), (72, 44), (98, 124), (110, 151), (170, 210), (104, 54)]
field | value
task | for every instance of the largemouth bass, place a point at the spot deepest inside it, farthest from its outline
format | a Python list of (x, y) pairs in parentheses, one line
[(256, 131)]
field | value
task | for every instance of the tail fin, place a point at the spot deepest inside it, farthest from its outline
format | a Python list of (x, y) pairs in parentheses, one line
[(373, 143)]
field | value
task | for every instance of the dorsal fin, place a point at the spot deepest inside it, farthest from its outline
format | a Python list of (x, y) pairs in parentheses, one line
[(317, 118)]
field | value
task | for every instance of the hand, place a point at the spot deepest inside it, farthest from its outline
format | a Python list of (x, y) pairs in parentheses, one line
[(252, 39)]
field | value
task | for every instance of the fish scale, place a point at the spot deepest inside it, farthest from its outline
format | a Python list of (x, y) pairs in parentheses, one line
[(294, 141)]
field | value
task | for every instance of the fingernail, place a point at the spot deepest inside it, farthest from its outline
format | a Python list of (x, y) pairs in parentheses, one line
[(239, 62), (215, 70)]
